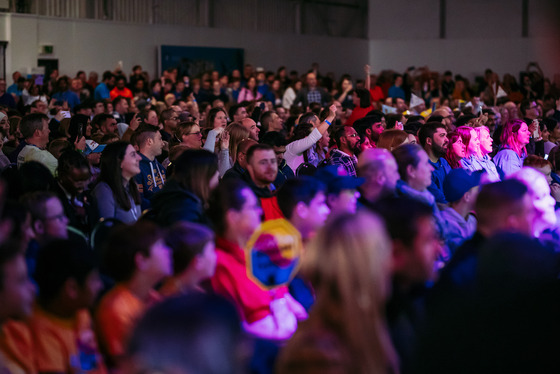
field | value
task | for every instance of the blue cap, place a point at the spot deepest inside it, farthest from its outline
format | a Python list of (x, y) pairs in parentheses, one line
[(458, 182)]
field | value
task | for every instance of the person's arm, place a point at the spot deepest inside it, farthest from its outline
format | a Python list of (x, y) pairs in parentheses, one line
[(210, 143), (299, 146), (104, 201), (224, 161), (368, 78), (280, 324), (343, 95)]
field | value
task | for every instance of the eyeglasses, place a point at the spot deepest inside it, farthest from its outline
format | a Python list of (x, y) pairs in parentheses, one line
[(352, 135), (194, 133)]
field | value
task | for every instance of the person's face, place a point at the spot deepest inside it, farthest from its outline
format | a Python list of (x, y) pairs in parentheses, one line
[(90, 289), (398, 81), (263, 167), (533, 111), (543, 202), (194, 138), (220, 120), (485, 142), (523, 135), (277, 123), (345, 84), (240, 114), (282, 113), (311, 80), (392, 175), (249, 217), (251, 125), (400, 105), (44, 134), (325, 139), (411, 139), (376, 130), (555, 135), (159, 264), (2, 86), (152, 118), (130, 165), (207, 260), (251, 83), (474, 143), (547, 172), (317, 211), (365, 144), (421, 176), (110, 126), (345, 202), (55, 223), (279, 151), (425, 249), (458, 148), (158, 144), (440, 142), (352, 138), (41, 107), (76, 180), (17, 293), (123, 106)]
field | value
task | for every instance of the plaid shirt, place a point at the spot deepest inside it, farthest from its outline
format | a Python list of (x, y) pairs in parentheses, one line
[(342, 159), (314, 96)]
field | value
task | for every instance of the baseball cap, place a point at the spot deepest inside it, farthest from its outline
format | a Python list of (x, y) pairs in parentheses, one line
[(458, 182), (93, 147), (336, 179)]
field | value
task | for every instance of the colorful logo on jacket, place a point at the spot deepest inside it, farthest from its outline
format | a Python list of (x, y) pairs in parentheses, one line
[(273, 253)]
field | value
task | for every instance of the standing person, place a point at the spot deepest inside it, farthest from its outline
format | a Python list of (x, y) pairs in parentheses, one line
[(312, 93), (116, 193), (362, 105), (515, 136), (346, 331)]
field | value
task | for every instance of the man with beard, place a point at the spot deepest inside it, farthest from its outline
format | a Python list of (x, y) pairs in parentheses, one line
[(433, 138), (348, 144), (262, 168), (370, 126)]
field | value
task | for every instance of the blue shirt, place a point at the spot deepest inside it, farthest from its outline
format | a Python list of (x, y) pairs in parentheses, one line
[(507, 162), (101, 92), (395, 92), (441, 169), (70, 97)]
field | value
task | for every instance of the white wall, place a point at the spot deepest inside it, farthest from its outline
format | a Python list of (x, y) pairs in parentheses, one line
[(97, 45), (480, 34)]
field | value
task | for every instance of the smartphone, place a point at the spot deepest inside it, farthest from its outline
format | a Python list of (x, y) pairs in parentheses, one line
[(80, 131), (66, 114), (546, 157), (536, 132)]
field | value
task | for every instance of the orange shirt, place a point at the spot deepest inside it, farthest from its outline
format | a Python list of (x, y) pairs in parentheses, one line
[(16, 348), (65, 345), (116, 315)]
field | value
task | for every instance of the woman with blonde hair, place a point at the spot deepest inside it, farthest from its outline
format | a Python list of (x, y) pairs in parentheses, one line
[(348, 264), (237, 133), (392, 138)]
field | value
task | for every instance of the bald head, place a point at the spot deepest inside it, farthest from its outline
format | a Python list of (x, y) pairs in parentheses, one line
[(251, 125), (379, 168)]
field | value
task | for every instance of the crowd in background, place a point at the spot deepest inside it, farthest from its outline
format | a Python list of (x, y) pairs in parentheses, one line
[(426, 204)]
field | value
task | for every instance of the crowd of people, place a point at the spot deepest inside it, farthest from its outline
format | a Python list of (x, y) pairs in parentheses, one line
[(426, 207)]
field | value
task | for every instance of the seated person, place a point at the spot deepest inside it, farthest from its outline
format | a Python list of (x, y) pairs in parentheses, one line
[(236, 214), (137, 259), (61, 323), (16, 298), (194, 257)]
